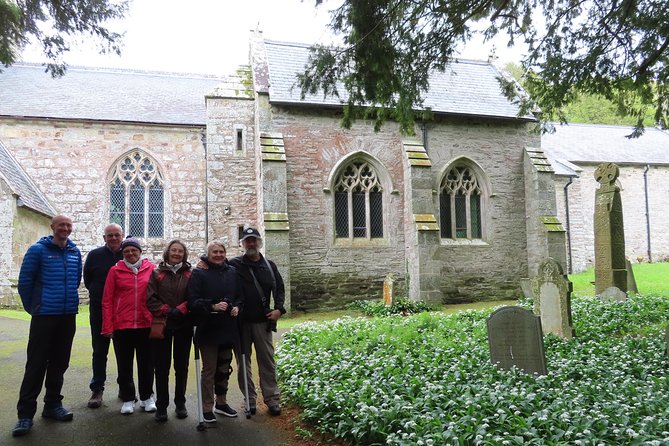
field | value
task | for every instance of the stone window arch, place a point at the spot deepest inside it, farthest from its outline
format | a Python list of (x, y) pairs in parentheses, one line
[(358, 201), (462, 202), (137, 195)]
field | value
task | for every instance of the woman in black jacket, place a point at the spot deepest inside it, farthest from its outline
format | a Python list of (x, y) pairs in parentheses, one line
[(214, 299)]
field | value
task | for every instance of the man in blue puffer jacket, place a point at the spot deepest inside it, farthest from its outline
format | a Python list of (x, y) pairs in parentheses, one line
[(48, 285)]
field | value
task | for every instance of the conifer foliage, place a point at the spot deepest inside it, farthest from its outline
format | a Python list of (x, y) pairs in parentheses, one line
[(55, 25), (618, 49)]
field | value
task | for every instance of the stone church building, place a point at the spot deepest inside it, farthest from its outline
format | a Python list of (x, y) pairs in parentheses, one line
[(575, 151), (460, 212)]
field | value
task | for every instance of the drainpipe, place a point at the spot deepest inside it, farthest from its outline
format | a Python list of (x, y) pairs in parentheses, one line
[(423, 127), (206, 189), (566, 210), (645, 190)]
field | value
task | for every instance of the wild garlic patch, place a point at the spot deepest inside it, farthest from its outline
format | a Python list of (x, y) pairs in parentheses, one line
[(427, 379)]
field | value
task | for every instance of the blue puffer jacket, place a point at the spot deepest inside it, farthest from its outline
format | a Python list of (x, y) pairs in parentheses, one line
[(49, 278)]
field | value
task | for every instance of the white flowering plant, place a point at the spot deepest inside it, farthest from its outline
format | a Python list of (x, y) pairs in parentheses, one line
[(427, 379)]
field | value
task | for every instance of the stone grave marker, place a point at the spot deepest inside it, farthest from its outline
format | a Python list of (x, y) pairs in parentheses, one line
[(610, 268), (526, 287), (612, 294), (666, 341), (515, 340), (552, 299), (388, 285), (631, 280)]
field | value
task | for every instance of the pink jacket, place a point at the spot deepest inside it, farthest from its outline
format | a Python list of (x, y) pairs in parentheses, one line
[(124, 298)]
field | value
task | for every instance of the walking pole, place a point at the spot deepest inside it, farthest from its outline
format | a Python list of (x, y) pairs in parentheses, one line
[(242, 348), (198, 380)]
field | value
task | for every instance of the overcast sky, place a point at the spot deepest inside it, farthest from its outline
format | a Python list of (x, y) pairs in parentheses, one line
[(207, 36)]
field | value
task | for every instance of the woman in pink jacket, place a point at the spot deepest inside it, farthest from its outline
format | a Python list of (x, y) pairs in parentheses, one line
[(127, 320)]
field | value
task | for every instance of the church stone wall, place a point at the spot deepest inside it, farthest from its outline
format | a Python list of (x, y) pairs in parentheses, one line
[(492, 268), (7, 212), (328, 273), (580, 222), (232, 173), (70, 161), (581, 210)]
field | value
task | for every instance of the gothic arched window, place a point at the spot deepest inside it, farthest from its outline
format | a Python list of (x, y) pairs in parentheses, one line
[(358, 202), (137, 196), (460, 204)]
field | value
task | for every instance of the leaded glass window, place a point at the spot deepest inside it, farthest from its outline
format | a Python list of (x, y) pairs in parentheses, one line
[(136, 196), (460, 204), (358, 202)]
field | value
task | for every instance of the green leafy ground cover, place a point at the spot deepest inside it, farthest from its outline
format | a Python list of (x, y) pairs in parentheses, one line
[(427, 380)]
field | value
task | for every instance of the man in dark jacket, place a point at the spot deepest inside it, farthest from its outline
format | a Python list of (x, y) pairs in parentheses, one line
[(98, 263), (260, 279), (48, 285)]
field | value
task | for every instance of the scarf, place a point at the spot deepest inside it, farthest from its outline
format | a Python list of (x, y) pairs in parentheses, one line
[(134, 267)]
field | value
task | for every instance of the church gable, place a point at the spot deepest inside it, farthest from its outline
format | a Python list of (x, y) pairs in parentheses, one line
[(27, 193)]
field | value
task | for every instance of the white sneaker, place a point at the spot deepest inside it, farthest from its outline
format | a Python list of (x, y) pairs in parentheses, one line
[(128, 407), (148, 404)]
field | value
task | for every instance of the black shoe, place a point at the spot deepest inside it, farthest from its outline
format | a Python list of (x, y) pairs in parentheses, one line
[(209, 417), (181, 412), (161, 415), (58, 413), (274, 410), (225, 409), (22, 427)]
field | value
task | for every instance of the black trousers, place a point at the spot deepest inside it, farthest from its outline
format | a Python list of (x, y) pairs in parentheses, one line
[(128, 344), (175, 345), (49, 348), (100, 346)]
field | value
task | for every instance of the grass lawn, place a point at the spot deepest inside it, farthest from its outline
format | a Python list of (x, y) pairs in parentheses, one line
[(652, 279)]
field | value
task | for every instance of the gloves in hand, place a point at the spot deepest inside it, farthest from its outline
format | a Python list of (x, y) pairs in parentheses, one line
[(174, 315)]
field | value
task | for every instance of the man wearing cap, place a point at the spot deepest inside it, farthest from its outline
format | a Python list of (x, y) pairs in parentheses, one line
[(260, 280), (98, 263), (48, 285)]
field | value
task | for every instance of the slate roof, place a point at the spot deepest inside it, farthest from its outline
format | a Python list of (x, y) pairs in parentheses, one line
[(105, 94), (466, 87), (18, 180), (595, 143)]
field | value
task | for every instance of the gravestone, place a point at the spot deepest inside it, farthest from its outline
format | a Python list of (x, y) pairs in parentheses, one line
[(666, 341), (515, 340), (631, 281), (552, 299), (526, 287), (610, 267), (612, 294), (388, 285)]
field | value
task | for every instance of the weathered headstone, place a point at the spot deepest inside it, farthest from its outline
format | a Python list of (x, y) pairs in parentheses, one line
[(666, 341), (612, 294), (610, 268), (515, 340), (631, 281), (552, 299), (388, 285), (526, 287)]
